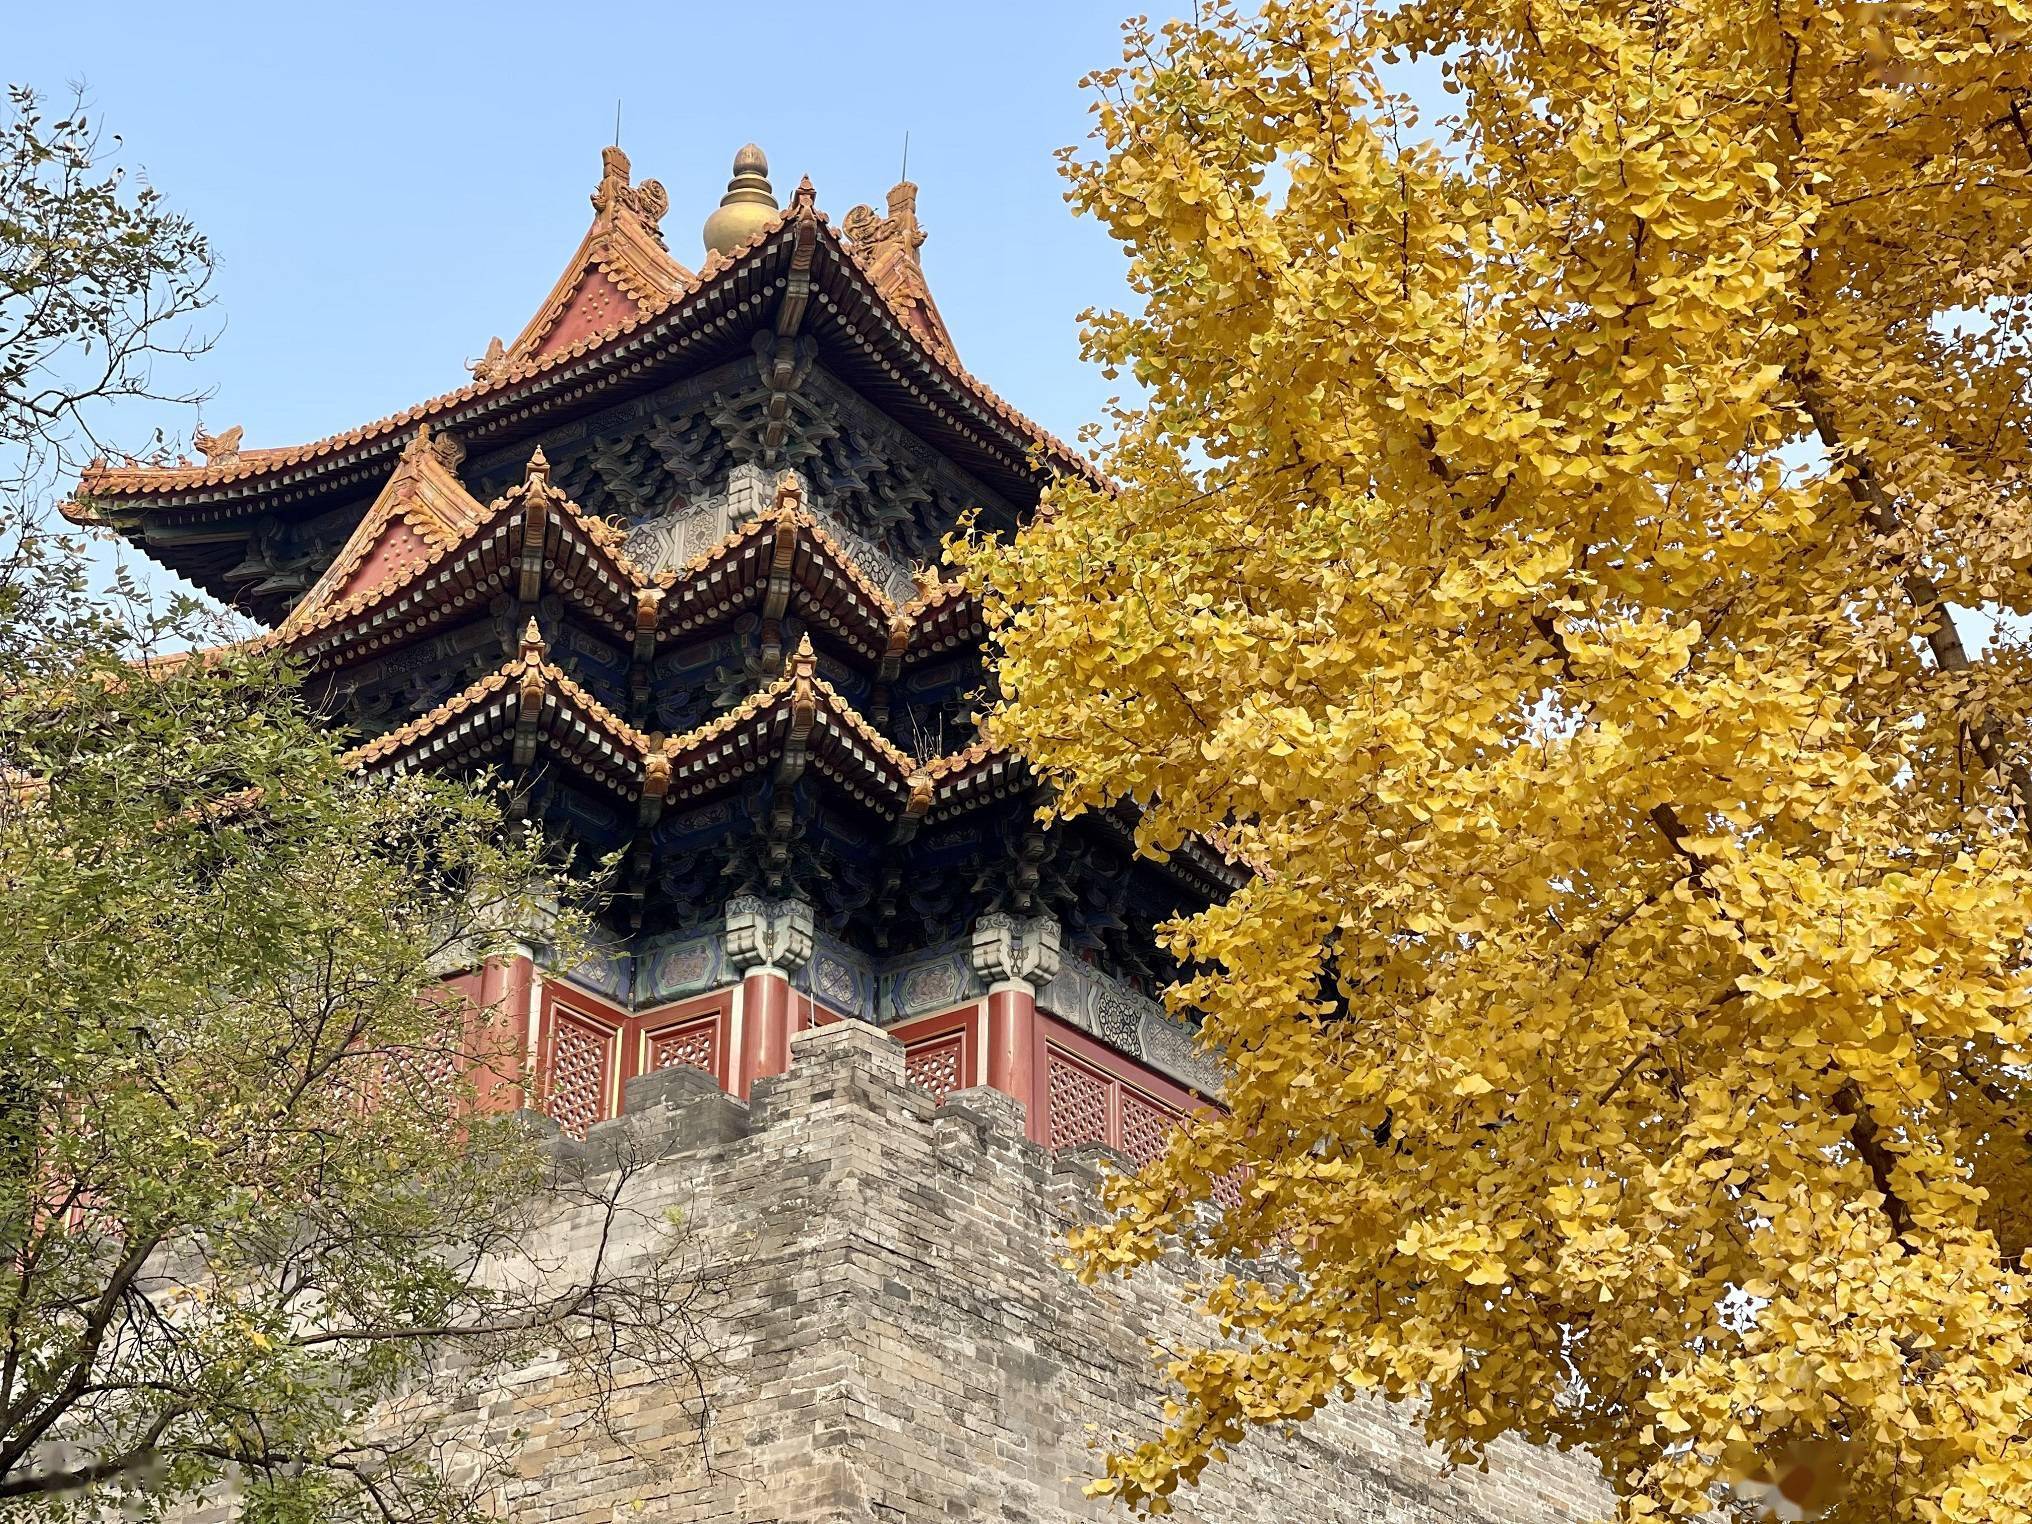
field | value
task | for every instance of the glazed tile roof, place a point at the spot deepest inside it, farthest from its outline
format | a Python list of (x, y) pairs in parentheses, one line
[(425, 497), (886, 248), (530, 706), (622, 253), (531, 536), (625, 319), (832, 593), (534, 531), (526, 705), (981, 774), (680, 316)]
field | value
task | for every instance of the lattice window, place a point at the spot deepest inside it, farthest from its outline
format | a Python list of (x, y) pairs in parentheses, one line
[(423, 1073), (440, 1069), (1146, 1127), (1076, 1100), (1228, 1189), (693, 1045), (579, 1059), (935, 1065)]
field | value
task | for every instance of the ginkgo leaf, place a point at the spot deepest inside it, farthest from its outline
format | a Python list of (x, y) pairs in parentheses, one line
[(1529, 555)]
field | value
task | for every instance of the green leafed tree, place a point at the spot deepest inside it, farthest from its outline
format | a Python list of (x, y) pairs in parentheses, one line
[(251, 1231), (103, 287)]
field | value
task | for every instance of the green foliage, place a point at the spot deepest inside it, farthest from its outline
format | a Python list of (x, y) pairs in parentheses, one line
[(99, 281), (238, 1188), (249, 1224)]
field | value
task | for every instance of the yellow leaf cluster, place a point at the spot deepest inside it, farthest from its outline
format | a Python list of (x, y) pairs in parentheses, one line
[(1533, 551)]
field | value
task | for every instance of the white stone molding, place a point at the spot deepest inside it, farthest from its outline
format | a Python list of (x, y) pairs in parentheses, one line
[(1015, 950), (770, 936), (751, 491)]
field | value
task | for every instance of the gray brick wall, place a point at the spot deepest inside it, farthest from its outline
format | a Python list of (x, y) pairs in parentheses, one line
[(898, 1342)]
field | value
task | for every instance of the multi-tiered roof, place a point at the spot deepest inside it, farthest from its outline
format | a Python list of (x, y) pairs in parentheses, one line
[(669, 565)]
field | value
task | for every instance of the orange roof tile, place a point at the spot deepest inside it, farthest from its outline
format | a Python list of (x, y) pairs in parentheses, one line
[(294, 632), (661, 317), (382, 748), (843, 745), (592, 709), (621, 269), (980, 774), (423, 496), (850, 722), (825, 559), (886, 249), (918, 624), (598, 538), (507, 681), (954, 763)]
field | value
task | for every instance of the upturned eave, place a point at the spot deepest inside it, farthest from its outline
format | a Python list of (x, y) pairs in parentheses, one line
[(870, 344)]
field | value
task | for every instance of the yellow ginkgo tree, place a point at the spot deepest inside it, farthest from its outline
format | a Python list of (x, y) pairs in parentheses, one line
[(1534, 550)]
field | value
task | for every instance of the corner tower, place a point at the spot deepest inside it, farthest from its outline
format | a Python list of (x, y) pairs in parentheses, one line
[(669, 565)]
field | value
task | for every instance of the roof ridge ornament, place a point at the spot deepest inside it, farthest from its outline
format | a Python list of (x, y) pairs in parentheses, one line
[(491, 364), (748, 207), (648, 201), (220, 449), (440, 445), (621, 272), (887, 250)]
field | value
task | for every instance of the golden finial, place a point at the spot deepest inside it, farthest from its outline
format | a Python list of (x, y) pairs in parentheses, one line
[(533, 648), (748, 207), (539, 468)]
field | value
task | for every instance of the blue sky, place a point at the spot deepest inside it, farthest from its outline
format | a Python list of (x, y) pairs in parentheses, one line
[(389, 186)]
